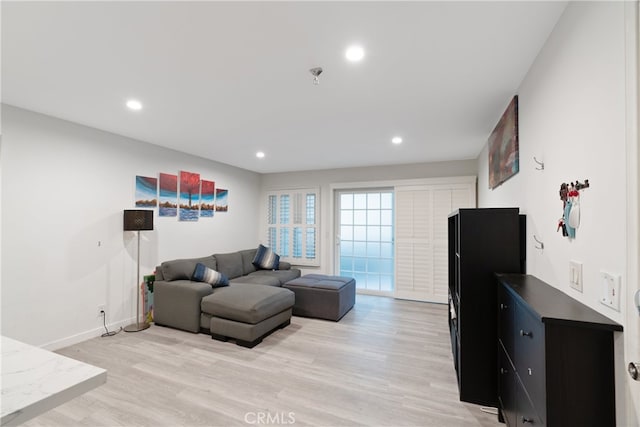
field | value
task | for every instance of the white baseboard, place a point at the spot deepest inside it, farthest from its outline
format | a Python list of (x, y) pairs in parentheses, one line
[(87, 335)]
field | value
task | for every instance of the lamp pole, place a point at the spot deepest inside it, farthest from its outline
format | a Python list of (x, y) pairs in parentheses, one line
[(137, 326)]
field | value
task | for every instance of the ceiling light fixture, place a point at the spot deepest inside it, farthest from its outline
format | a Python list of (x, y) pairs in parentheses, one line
[(396, 140), (354, 53), (134, 104), (260, 155)]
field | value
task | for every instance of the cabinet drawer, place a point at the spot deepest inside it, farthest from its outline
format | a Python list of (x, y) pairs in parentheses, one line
[(506, 328), (526, 415), (529, 360), (506, 388)]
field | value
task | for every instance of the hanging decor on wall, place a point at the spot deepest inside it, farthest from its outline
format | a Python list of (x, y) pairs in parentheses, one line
[(207, 198), (504, 157), (185, 196), (146, 192), (570, 196), (189, 196), (222, 200), (168, 195)]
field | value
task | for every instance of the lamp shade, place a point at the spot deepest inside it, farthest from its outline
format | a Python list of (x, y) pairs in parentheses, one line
[(138, 219)]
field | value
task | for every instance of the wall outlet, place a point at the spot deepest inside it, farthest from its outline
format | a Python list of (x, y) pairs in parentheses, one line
[(575, 275), (610, 290), (102, 308)]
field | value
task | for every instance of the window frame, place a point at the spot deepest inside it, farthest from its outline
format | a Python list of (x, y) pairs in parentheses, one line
[(273, 226)]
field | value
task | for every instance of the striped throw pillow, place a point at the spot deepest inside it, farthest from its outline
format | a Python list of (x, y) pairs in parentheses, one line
[(266, 259), (202, 273)]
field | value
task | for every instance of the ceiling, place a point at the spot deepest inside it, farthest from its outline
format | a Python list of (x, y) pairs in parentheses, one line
[(223, 80)]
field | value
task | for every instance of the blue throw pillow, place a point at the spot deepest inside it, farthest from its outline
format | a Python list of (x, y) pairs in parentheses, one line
[(266, 259), (203, 273)]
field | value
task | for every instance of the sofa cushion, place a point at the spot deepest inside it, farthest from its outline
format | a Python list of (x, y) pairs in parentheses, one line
[(253, 279), (247, 261), (182, 269), (247, 303), (229, 264), (266, 259), (202, 273), (283, 276)]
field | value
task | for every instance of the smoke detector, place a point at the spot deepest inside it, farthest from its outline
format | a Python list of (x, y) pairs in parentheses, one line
[(315, 72)]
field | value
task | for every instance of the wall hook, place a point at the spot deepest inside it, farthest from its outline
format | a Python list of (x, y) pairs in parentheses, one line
[(541, 164), (539, 242)]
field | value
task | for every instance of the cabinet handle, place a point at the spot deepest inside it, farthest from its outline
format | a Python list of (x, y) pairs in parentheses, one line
[(503, 306), (503, 371), (525, 334), (526, 420)]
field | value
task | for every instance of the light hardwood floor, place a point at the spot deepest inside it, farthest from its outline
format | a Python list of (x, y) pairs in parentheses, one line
[(386, 363)]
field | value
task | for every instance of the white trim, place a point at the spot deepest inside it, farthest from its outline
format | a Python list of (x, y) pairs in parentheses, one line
[(304, 261), (87, 335), (631, 414), (403, 182)]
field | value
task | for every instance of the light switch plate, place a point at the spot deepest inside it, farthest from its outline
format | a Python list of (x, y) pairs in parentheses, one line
[(575, 275), (610, 290)]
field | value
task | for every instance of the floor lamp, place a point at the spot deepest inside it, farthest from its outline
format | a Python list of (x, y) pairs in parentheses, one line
[(138, 220)]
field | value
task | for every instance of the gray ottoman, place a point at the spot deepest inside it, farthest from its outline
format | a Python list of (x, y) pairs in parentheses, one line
[(323, 297), (247, 312)]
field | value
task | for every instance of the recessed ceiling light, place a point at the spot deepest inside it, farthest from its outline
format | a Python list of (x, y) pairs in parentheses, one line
[(260, 155), (134, 104), (396, 140), (354, 53)]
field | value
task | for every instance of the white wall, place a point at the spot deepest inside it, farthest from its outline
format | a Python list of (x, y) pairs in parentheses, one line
[(325, 179), (572, 116), (64, 187)]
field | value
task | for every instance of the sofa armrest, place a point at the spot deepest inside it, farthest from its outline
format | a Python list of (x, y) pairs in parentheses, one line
[(177, 303), (284, 265)]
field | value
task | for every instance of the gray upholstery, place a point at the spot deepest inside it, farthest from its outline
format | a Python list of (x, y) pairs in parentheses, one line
[(282, 275), (247, 331), (182, 269), (254, 279), (247, 303), (177, 303), (230, 264), (247, 257), (323, 297)]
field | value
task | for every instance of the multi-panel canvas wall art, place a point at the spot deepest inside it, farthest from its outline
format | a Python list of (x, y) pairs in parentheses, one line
[(222, 202), (185, 196), (504, 161), (146, 192), (168, 195), (207, 198), (189, 196)]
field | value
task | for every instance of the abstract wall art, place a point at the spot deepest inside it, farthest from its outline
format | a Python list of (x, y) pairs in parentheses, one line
[(168, 195), (207, 198), (189, 196), (504, 161), (146, 192), (222, 200)]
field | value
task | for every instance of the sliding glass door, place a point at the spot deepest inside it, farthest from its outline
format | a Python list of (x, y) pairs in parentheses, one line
[(365, 238)]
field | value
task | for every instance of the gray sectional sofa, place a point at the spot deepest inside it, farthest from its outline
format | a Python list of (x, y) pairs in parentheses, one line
[(178, 299)]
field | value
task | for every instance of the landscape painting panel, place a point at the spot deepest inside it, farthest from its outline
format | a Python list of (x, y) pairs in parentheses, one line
[(504, 161), (189, 196), (207, 198), (222, 200), (168, 195), (146, 192)]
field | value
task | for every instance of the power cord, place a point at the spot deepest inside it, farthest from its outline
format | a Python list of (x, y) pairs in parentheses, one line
[(104, 322)]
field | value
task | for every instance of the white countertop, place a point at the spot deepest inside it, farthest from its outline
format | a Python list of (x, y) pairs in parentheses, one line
[(36, 380)]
